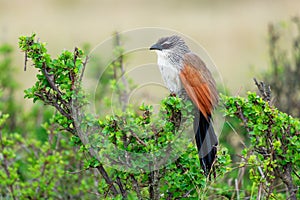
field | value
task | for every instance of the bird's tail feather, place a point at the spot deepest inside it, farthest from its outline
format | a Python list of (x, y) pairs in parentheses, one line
[(206, 141)]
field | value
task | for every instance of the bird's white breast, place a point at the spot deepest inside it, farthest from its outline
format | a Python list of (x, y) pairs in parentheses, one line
[(170, 74)]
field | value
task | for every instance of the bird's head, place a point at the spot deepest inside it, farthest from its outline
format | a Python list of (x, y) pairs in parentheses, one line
[(171, 49)]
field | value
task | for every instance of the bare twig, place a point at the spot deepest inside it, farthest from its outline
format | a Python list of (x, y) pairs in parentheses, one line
[(188, 192), (25, 63), (286, 177), (154, 184), (236, 182), (237, 134), (137, 138), (83, 68), (50, 79), (122, 190), (264, 90), (136, 187), (49, 100), (107, 179), (296, 174), (261, 172), (124, 93), (259, 191), (72, 74), (242, 117)]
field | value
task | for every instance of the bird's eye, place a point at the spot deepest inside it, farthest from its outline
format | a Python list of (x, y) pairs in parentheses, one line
[(166, 45)]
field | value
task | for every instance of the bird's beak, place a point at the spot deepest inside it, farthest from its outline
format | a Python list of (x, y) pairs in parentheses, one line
[(156, 47)]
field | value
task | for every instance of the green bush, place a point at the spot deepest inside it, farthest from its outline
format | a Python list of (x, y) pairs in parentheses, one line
[(58, 150)]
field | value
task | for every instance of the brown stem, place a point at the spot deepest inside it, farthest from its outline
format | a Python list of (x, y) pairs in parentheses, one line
[(287, 179), (83, 68), (51, 81), (107, 179), (242, 117), (25, 63), (154, 184), (123, 191), (137, 138)]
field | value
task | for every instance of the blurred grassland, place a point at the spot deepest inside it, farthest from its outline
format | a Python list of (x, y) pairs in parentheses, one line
[(234, 33)]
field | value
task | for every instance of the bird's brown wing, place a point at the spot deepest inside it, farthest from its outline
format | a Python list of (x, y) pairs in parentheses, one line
[(199, 84)]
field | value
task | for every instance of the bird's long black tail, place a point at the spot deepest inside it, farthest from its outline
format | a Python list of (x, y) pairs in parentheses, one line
[(206, 141)]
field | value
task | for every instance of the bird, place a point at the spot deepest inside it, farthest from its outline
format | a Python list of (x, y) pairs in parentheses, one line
[(186, 75)]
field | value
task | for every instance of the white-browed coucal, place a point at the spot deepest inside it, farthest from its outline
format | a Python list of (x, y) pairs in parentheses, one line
[(186, 75)]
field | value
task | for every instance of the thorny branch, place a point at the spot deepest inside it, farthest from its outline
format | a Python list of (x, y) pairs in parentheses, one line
[(55, 99)]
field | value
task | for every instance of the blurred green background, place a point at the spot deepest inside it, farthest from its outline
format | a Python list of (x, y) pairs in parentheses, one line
[(233, 32)]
